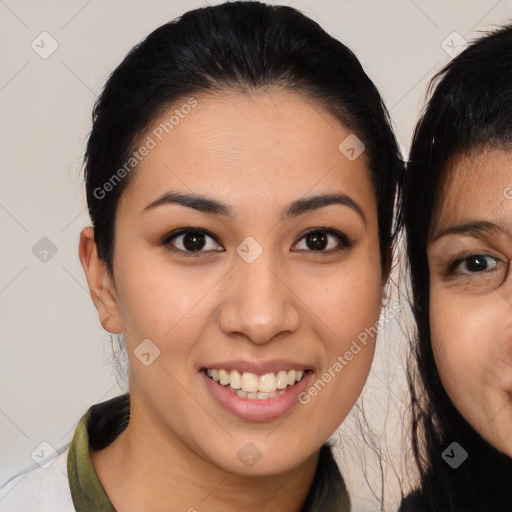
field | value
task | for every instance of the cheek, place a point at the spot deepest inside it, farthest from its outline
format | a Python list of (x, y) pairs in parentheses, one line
[(350, 320), (353, 302), (349, 309), (157, 300), (469, 334), (349, 299), (456, 337)]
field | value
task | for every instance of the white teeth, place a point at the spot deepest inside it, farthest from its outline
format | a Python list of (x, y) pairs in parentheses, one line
[(267, 383), (254, 396), (281, 380), (251, 386), (224, 377), (250, 382), (235, 380)]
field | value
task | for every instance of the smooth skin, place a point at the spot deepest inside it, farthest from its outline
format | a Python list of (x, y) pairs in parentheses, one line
[(257, 153), (471, 292)]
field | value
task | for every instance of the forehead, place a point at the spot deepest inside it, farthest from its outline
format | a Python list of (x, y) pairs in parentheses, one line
[(244, 145), (474, 187)]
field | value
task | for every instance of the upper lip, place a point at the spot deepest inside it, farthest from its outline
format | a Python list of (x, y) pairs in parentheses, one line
[(258, 367)]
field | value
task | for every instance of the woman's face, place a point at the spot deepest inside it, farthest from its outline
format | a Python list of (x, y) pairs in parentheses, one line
[(246, 250), (471, 292)]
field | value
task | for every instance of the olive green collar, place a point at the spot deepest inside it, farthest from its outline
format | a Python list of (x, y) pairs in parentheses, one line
[(99, 426)]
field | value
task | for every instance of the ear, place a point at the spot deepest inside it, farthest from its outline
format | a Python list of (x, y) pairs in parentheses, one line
[(101, 285)]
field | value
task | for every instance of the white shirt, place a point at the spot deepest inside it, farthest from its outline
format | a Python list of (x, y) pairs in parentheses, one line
[(39, 490)]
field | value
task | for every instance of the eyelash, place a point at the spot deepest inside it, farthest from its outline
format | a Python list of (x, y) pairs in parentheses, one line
[(344, 241)]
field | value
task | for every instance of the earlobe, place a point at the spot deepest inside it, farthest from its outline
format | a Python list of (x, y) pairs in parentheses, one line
[(101, 287)]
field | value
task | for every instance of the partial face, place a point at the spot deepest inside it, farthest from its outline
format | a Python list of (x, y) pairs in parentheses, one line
[(471, 292), (246, 250)]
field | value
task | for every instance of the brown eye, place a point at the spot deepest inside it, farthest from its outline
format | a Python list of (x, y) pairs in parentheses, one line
[(190, 241), (478, 273), (317, 241), (323, 241), (475, 263)]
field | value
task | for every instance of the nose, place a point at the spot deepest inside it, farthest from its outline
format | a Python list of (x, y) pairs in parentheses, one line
[(261, 304)]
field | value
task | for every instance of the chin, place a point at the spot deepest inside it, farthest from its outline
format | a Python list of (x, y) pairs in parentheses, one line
[(260, 457)]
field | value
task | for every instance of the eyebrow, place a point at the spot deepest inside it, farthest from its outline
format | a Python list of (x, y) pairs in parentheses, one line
[(475, 229), (295, 208)]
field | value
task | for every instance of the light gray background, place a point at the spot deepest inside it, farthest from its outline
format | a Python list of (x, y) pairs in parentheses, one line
[(55, 358)]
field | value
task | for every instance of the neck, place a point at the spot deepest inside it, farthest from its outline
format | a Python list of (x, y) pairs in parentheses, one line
[(147, 469)]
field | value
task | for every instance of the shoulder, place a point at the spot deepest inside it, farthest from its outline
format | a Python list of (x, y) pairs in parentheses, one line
[(39, 490)]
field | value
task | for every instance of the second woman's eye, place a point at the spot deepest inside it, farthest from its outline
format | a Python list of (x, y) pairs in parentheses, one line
[(191, 242), (323, 241), (474, 264)]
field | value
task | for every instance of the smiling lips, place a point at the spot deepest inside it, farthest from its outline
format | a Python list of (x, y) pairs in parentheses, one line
[(253, 387)]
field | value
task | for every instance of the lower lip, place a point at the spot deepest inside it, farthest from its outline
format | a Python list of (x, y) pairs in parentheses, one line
[(257, 410)]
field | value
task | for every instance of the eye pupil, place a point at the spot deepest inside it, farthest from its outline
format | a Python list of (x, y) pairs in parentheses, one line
[(193, 241), (476, 264), (317, 241)]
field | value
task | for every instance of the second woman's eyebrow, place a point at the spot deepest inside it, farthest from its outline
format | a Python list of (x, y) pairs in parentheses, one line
[(209, 205), (473, 228)]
